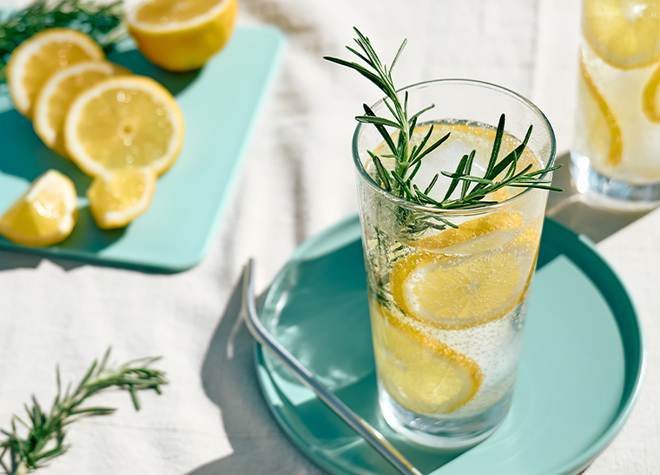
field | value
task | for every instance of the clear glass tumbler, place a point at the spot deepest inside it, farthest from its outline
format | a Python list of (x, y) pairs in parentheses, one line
[(447, 305), (615, 157)]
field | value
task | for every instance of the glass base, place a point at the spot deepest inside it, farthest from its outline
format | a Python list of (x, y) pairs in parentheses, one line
[(605, 192), (441, 432)]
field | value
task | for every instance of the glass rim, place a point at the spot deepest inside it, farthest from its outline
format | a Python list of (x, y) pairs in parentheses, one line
[(455, 212)]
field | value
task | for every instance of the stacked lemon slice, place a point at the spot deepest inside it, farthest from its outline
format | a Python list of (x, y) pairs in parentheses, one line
[(123, 130)]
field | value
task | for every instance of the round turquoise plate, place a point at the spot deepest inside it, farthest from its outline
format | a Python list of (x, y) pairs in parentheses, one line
[(579, 375)]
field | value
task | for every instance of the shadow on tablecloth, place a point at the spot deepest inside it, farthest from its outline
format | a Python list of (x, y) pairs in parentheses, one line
[(260, 447)]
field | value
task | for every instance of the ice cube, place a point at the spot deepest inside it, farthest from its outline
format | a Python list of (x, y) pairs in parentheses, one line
[(445, 158)]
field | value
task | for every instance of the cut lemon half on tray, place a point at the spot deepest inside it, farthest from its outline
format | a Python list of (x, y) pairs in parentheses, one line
[(45, 214), (37, 58), (117, 198), (181, 35), (57, 94), (420, 372), (624, 33), (456, 292), (601, 125), (124, 122)]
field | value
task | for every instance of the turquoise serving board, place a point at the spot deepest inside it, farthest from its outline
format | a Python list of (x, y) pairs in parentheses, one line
[(579, 376), (220, 103)]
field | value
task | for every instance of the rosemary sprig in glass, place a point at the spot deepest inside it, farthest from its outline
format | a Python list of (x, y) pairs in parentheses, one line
[(102, 22), (46, 430), (408, 157)]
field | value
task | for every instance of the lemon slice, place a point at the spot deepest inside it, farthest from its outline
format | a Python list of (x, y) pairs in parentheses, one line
[(624, 33), (457, 292), (117, 198), (650, 97), (420, 372), (45, 214), (123, 122), (181, 35), (42, 55), (486, 232), (601, 126), (57, 93)]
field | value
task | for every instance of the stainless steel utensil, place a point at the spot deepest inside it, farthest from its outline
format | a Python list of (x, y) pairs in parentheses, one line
[(259, 332)]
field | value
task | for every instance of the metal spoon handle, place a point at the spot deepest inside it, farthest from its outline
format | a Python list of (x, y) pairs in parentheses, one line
[(259, 332)]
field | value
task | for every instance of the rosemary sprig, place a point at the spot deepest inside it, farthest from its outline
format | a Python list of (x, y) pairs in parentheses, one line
[(46, 430), (407, 158), (102, 22)]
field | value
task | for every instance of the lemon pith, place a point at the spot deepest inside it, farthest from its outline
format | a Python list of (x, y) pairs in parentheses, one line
[(117, 198), (57, 94), (124, 122), (624, 33), (420, 372), (47, 52), (182, 35), (45, 214)]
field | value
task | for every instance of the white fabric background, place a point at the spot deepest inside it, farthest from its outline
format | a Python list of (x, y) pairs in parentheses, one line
[(297, 180)]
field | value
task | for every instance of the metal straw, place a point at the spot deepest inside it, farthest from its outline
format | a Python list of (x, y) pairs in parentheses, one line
[(259, 332)]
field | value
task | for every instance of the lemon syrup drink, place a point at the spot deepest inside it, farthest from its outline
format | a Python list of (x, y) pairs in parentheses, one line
[(616, 147), (448, 305)]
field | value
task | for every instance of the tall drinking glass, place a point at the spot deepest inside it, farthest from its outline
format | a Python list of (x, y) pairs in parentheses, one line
[(447, 305), (615, 157)]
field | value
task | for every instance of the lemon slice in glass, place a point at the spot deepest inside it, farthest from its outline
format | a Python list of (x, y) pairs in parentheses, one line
[(37, 58), (624, 33), (45, 214), (602, 128), (117, 198), (651, 98), (420, 372), (57, 94), (457, 292), (181, 35), (124, 122)]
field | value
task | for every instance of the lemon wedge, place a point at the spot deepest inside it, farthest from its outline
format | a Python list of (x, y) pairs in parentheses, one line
[(624, 33), (45, 214), (124, 122), (39, 57), (181, 35), (57, 93), (602, 128), (457, 292), (117, 198), (420, 372), (651, 98)]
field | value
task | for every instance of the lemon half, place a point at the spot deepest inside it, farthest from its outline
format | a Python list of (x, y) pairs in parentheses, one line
[(39, 57), (45, 214), (181, 35)]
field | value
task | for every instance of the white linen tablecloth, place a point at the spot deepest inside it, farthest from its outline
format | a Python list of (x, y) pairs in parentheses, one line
[(297, 179)]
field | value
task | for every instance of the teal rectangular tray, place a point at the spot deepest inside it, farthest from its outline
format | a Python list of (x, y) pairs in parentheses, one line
[(220, 103)]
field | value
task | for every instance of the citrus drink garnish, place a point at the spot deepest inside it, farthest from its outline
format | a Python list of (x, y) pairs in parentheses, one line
[(624, 33), (118, 197), (45, 214), (420, 372), (57, 94), (181, 35), (37, 58), (124, 122)]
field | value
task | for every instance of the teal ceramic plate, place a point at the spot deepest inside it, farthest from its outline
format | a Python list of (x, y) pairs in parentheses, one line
[(220, 103), (579, 374)]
